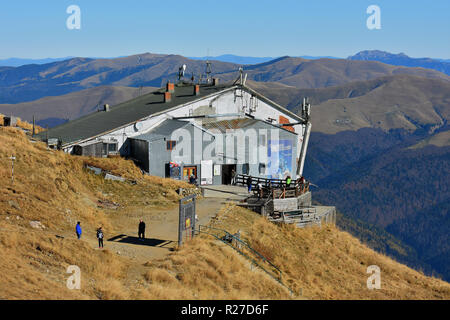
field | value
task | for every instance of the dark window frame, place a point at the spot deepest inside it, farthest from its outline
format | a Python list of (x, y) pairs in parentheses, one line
[(170, 145)]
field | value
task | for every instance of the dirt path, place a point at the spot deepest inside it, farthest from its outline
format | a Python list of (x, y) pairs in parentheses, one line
[(161, 231)]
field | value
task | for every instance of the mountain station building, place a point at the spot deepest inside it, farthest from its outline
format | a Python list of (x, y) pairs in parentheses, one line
[(206, 130)]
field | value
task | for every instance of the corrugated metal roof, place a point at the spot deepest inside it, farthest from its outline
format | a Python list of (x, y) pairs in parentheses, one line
[(164, 129), (223, 125), (97, 123)]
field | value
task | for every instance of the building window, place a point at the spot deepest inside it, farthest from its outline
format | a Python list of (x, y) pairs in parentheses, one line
[(171, 144), (262, 168), (245, 168), (262, 140), (112, 147)]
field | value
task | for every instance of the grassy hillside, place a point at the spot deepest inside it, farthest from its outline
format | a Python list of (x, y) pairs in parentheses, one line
[(399, 101), (55, 189), (320, 73), (376, 177)]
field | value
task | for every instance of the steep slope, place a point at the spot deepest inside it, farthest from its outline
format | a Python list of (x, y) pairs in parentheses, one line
[(375, 176), (400, 101), (319, 263)]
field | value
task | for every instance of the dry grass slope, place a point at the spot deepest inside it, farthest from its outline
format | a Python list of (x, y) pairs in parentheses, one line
[(55, 189)]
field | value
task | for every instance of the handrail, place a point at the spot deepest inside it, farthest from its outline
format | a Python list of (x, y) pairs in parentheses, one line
[(245, 255), (246, 245), (272, 183)]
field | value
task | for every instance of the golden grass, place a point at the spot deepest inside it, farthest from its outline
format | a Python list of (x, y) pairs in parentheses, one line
[(24, 124), (55, 189), (327, 263)]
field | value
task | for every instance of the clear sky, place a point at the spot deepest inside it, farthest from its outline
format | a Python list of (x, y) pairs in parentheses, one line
[(37, 29)]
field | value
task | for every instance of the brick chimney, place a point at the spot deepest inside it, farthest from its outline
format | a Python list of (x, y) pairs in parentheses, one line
[(167, 96), (196, 90), (170, 87)]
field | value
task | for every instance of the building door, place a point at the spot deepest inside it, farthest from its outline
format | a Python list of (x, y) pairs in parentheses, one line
[(188, 171), (226, 173)]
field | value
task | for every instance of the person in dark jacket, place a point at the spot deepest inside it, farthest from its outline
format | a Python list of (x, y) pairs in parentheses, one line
[(100, 237), (78, 230), (249, 184), (141, 230), (233, 177)]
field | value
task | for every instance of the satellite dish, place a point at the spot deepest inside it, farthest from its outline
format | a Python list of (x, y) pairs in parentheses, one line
[(181, 71), (138, 126)]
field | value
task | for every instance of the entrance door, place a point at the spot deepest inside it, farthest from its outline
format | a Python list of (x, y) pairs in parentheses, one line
[(188, 171), (226, 173)]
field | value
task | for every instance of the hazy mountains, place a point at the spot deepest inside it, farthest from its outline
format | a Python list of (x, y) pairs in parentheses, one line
[(392, 102), (252, 60), (52, 111), (402, 59), (302, 73), (17, 62), (31, 82)]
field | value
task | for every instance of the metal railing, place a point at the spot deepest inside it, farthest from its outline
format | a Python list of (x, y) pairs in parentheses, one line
[(228, 238), (277, 187)]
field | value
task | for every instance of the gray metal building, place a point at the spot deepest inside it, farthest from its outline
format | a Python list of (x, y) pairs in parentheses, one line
[(206, 130), (245, 146)]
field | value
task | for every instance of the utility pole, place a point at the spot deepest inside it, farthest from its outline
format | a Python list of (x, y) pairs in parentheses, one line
[(12, 168)]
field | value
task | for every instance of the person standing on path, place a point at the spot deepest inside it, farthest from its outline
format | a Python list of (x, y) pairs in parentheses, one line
[(100, 237), (141, 231), (249, 184), (78, 230), (233, 177)]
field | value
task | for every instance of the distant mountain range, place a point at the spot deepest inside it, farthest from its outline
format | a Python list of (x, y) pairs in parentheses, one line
[(31, 82), (402, 59), (17, 62), (251, 60), (242, 60)]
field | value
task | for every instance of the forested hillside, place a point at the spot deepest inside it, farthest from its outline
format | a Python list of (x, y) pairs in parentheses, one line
[(374, 177)]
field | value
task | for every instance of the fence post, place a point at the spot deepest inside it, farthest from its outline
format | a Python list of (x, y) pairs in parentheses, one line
[(180, 223)]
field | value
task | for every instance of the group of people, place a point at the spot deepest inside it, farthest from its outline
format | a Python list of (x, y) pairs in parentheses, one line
[(300, 181), (100, 235)]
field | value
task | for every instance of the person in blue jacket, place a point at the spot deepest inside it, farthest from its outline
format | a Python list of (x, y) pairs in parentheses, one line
[(78, 230)]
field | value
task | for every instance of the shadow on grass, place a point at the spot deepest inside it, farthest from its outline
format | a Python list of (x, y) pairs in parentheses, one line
[(123, 238)]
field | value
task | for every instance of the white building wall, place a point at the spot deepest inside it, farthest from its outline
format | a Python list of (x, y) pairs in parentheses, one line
[(233, 101)]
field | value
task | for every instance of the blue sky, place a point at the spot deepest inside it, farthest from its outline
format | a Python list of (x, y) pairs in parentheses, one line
[(37, 29)]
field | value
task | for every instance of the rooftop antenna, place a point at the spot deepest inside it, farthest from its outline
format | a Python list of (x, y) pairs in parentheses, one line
[(34, 130), (139, 93), (181, 71), (241, 71)]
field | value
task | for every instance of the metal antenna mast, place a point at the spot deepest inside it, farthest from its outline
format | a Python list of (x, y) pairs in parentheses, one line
[(140, 86), (12, 167), (208, 71)]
